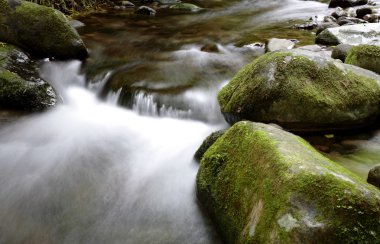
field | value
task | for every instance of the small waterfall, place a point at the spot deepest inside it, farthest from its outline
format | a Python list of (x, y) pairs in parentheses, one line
[(93, 172)]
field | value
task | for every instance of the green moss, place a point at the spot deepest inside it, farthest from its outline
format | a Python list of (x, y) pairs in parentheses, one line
[(42, 31), (365, 56), (294, 91), (16, 93), (207, 143), (255, 174)]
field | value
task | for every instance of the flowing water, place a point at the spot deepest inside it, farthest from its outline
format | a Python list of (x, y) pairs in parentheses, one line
[(90, 171)]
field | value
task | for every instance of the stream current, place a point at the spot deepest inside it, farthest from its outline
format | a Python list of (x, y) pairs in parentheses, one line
[(92, 171)]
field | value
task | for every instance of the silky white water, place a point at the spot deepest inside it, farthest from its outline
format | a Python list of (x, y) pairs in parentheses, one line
[(89, 172)]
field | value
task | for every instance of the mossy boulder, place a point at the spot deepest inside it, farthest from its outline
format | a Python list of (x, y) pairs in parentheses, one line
[(365, 56), (41, 31), (302, 91), (19, 94), (260, 184), (21, 88)]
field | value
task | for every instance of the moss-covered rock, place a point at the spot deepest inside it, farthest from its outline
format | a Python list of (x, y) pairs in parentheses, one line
[(302, 91), (260, 184), (21, 88), (207, 143), (40, 30), (16, 93), (365, 56)]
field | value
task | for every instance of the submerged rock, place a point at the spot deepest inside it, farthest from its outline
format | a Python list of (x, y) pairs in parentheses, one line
[(40, 30), (365, 56), (302, 91), (352, 34), (185, 7), (260, 184), (374, 176), (21, 88)]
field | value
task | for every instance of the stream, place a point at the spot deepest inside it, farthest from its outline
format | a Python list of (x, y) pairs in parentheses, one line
[(113, 163)]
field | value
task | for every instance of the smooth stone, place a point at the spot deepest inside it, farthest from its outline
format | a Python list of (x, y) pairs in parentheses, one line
[(276, 44), (341, 51), (374, 176)]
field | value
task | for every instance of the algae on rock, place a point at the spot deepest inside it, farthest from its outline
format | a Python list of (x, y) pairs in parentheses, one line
[(365, 56), (302, 91), (21, 88), (261, 184)]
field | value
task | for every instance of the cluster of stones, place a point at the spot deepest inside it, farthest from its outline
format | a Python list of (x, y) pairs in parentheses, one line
[(345, 13), (262, 184)]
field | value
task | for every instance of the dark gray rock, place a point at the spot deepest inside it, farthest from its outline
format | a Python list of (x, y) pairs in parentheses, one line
[(361, 12), (371, 18), (374, 176), (324, 25), (350, 21), (346, 3), (341, 51)]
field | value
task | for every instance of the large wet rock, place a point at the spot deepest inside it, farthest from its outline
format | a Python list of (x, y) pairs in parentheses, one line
[(260, 184), (351, 34), (21, 88), (40, 30), (302, 91), (365, 56), (346, 3)]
